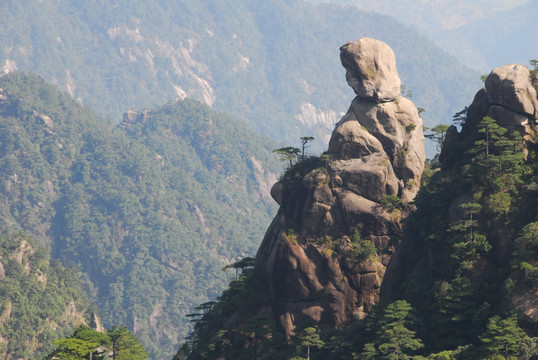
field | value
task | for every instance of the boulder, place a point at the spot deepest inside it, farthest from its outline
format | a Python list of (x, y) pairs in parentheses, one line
[(132, 117), (371, 176), (371, 69), (352, 140), (277, 192), (510, 86), (46, 121)]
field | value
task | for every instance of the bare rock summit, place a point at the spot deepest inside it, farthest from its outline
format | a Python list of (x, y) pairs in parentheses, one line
[(371, 69)]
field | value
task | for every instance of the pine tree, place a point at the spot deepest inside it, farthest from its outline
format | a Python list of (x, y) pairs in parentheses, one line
[(393, 339), (309, 338), (125, 346), (437, 134), (503, 336), (84, 343)]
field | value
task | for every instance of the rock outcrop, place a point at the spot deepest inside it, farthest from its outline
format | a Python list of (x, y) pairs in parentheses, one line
[(311, 259), (132, 117), (510, 97)]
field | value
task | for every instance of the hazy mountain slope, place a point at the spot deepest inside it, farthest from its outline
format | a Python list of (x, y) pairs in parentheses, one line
[(40, 300), (433, 17), (480, 34), (502, 37), (270, 63), (151, 211)]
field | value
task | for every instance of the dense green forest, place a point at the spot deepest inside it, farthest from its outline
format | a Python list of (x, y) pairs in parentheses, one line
[(40, 300), (117, 343), (261, 61), (148, 211), (467, 261)]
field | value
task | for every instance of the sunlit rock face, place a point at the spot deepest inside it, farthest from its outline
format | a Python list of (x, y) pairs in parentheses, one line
[(308, 256), (371, 69), (509, 96)]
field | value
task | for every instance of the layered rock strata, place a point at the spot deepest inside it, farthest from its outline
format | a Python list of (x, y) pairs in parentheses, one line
[(311, 257)]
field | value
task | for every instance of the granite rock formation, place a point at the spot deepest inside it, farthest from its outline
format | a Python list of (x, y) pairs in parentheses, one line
[(510, 97), (375, 156)]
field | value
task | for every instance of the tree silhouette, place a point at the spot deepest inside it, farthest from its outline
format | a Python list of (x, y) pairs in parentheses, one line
[(304, 141), (287, 153), (437, 134)]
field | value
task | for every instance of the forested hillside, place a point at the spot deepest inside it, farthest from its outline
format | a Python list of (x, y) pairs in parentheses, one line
[(40, 300), (268, 62), (149, 211)]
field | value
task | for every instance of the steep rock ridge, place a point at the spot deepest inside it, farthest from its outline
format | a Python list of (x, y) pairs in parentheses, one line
[(509, 96), (308, 257)]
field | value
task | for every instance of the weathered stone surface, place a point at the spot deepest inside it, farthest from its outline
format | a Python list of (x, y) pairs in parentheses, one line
[(351, 140), (510, 98), (392, 130), (371, 69), (508, 118), (366, 215), (132, 117), (525, 303), (371, 177), (314, 216), (510, 86), (324, 195), (46, 121)]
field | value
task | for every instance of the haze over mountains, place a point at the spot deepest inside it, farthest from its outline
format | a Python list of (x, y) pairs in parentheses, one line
[(481, 34), (266, 62), (148, 212)]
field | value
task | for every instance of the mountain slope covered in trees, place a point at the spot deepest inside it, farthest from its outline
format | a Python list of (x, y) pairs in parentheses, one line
[(268, 62), (40, 300), (150, 211)]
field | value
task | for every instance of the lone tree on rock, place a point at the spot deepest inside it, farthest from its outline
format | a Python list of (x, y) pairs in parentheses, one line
[(304, 141), (287, 153)]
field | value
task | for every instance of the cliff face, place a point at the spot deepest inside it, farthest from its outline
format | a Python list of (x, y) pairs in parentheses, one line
[(325, 253)]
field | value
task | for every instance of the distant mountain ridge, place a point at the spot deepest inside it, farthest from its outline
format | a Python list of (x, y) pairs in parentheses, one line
[(481, 34), (269, 63)]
